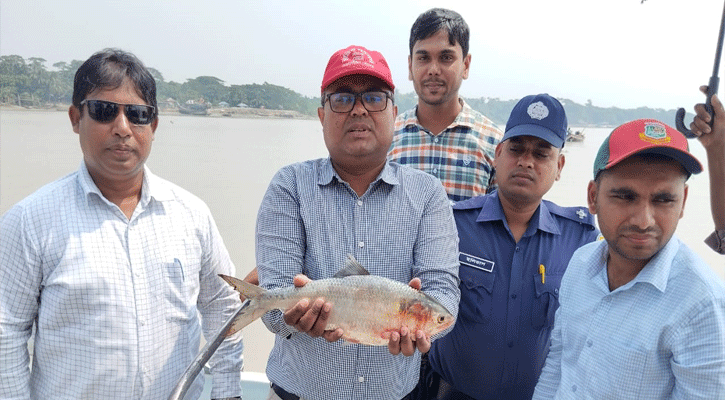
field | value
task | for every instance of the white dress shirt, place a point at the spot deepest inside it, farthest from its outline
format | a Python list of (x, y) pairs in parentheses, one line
[(116, 301)]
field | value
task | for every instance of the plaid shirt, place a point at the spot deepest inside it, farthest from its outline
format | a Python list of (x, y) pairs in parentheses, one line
[(456, 156)]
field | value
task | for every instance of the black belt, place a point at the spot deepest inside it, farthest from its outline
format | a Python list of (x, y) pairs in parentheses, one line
[(283, 394)]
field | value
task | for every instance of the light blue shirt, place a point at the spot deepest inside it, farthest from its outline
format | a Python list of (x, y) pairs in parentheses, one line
[(499, 343), (660, 336), (309, 221), (116, 301)]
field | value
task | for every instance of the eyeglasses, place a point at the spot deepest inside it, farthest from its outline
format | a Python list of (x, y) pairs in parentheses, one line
[(345, 102), (106, 111)]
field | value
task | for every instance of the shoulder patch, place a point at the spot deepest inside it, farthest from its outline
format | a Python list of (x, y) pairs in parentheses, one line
[(576, 214)]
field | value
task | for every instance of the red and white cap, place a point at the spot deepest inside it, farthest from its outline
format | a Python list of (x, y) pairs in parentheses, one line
[(357, 60)]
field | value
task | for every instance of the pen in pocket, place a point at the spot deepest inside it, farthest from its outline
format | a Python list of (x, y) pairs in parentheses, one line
[(177, 263), (542, 272)]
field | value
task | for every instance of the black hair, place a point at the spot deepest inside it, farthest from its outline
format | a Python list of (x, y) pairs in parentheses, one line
[(436, 19), (107, 69)]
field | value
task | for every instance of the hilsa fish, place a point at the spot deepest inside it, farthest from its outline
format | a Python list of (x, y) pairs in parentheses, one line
[(366, 307)]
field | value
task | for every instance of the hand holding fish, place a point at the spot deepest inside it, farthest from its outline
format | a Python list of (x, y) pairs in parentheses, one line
[(403, 341), (311, 319), (352, 305)]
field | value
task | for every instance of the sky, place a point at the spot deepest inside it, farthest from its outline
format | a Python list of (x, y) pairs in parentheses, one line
[(616, 53)]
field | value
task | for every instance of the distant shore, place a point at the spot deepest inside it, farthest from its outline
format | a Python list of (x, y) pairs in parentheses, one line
[(227, 112)]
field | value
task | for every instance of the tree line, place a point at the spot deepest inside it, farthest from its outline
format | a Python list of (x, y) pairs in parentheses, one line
[(578, 115), (29, 83)]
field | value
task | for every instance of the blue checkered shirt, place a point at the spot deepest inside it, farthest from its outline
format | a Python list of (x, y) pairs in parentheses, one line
[(115, 300), (660, 336), (455, 156), (309, 220)]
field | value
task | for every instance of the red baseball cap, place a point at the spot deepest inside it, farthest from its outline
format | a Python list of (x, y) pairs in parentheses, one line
[(357, 60), (645, 136)]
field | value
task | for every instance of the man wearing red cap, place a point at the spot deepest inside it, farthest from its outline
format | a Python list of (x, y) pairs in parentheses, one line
[(641, 315), (395, 220)]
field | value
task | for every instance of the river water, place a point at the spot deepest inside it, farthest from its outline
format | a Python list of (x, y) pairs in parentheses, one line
[(228, 162)]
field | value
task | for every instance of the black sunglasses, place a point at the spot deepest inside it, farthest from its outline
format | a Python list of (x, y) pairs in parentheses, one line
[(106, 111)]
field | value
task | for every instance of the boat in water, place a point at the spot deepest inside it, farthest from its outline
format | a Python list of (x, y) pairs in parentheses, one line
[(576, 136), (194, 109)]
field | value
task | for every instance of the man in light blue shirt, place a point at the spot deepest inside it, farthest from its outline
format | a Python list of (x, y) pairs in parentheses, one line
[(394, 219), (641, 316)]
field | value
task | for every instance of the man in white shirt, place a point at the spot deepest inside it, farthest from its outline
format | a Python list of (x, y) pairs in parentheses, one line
[(111, 263)]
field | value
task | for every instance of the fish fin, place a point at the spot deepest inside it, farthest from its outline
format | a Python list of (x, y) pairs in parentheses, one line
[(352, 267), (245, 288)]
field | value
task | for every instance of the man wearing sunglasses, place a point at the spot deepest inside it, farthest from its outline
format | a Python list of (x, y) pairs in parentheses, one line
[(395, 220), (112, 263)]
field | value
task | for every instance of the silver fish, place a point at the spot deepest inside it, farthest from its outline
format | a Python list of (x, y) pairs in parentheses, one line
[(364, 306)]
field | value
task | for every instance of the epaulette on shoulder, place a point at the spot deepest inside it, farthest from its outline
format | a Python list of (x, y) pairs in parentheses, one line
[(577, 214)]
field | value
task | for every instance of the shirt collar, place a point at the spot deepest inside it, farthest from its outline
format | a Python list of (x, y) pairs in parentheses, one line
[(542, 219), (151, 188), (656, 272), (464, 118), (327, 173)]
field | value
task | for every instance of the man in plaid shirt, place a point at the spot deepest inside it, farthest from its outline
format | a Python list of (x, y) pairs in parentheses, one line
[(443, 135)]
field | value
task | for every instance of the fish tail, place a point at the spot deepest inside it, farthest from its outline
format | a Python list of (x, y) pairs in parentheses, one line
[(252, 308), (246, 289)]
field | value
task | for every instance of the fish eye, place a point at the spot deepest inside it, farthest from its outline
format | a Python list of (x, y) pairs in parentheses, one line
[(441, 319)]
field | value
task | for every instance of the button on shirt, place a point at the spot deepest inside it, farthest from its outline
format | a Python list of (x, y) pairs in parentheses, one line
[(455, 156), (660, 336), (308, 223), (499, 343), (115, 299)]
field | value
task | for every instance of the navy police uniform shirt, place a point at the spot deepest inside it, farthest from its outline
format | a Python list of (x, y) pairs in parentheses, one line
[(498, 345)]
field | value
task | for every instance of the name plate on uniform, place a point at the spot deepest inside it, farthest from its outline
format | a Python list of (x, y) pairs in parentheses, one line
[(476, 262)]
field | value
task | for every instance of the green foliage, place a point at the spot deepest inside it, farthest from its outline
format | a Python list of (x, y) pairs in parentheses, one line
[(272, 97), (29, 83)]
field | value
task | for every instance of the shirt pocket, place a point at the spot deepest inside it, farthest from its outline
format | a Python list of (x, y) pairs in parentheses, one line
[(546, 301), (476, 294), (181, 267)]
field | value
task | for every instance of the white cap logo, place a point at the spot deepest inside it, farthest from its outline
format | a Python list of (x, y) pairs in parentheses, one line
[(357, 56), (537, 110)]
